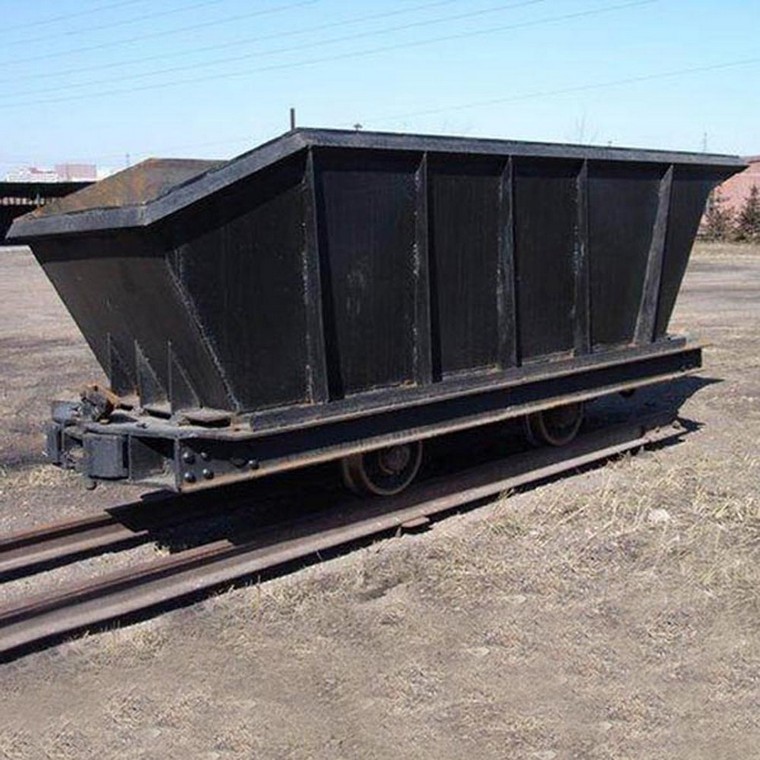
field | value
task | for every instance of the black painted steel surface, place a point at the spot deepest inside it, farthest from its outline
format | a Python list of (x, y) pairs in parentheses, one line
[(328, 268)]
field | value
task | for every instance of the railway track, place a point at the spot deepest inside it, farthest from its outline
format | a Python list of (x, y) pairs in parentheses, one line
[(25, 553), (47, 617), (121, 527)]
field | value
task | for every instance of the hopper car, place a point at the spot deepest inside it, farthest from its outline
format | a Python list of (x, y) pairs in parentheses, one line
[(337, 295)]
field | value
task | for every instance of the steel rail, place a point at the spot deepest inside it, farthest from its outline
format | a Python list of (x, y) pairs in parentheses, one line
[(27, 552), (115, 528), (82, 606)]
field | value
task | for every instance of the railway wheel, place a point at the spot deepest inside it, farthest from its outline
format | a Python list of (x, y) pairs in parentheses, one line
[(382, 472), (554, 427)]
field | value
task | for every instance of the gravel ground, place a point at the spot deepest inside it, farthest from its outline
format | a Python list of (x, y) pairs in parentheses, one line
[(612, 614)]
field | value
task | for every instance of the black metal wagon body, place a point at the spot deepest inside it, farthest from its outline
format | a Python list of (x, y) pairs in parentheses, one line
[(331, 292)]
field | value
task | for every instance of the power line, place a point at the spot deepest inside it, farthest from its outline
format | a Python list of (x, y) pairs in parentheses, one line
[(113, 24), (475, 104), (569, 90), (342, 56), (218, 22), (295, 48), (66, 16), (245, 41)]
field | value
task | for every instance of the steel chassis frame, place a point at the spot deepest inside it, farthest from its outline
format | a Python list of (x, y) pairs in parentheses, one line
[(169, 453)]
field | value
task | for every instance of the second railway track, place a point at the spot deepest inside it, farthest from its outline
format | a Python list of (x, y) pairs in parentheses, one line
[(49, 616), (121, 527)]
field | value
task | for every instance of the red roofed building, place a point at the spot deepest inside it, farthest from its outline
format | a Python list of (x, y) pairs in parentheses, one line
[(734, 191)]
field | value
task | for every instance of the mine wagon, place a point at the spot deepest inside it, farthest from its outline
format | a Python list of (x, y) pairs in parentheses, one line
[(335, 295)]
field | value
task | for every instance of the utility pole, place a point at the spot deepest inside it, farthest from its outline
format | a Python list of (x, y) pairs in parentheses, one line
[(292, 118)]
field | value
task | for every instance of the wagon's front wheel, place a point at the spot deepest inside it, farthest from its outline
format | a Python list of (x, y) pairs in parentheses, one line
[(382, 472), (554, 427)]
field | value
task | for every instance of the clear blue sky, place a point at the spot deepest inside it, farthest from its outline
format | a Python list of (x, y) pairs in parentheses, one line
[(95, 80)]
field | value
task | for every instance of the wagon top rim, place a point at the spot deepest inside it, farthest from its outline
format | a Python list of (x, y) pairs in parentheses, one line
[(157, 188)]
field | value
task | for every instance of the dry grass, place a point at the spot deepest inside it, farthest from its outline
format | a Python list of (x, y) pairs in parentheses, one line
[(612, 614), (700, 519), (642, 518), (703, 248), (34, 477), (557, 623)]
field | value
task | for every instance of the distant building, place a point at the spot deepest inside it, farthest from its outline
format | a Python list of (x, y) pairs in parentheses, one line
[(61, 173), (77, 172), (32, 174)]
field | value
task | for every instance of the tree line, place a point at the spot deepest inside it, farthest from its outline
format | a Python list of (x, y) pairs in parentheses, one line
[(725, 224)]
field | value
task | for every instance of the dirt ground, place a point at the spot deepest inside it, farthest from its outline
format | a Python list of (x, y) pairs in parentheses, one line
[(611, 614)]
